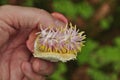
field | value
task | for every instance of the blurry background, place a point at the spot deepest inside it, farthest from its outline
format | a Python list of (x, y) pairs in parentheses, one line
[(100, 19)]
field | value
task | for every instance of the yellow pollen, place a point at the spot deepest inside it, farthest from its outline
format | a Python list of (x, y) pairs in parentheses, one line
[(49, 50), (61, 51), (46, 49), (64, 50), (42, 48)]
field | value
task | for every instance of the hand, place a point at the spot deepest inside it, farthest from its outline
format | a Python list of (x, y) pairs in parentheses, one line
[(16, 60)]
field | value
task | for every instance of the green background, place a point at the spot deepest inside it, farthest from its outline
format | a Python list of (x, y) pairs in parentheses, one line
[(100, 19)]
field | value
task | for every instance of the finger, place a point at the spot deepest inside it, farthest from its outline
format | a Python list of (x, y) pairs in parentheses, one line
[(31, 40), (60, 17), (28, 18), (25, 78), (5, 28), (29, 73), (42, 67), (19, 55)]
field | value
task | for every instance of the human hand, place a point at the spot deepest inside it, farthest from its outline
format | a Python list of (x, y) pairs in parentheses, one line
[(16, 61)]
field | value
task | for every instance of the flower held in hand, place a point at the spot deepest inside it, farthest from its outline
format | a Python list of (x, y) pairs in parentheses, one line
[(58, 43)]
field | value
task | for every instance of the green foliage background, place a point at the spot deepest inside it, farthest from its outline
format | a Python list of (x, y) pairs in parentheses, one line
[(101, 52)]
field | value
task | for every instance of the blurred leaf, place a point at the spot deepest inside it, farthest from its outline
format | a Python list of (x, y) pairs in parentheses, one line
[(108, 54), (66, 7), (84, 55), (85, 10), (117, 67), (105, 23), (58, 73), (2, 2), (73, 10), (97, 75), (93, 62), (114, 77), (28, 3), (117, 41)]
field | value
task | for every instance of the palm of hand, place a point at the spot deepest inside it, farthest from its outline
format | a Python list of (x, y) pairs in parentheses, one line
[(12, 55)]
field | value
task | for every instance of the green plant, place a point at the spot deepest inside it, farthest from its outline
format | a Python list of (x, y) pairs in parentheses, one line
[(106, 22), (2, 2), (28, 3), (84, 10), (98, 75), (58, 75), (103, 60), (72, 10), (66, 7), (84, 56)]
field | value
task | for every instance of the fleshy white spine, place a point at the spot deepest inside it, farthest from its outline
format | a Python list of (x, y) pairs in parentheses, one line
[(60, 40)]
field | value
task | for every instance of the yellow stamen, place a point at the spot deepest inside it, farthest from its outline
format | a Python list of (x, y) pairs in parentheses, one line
[(64, 50)]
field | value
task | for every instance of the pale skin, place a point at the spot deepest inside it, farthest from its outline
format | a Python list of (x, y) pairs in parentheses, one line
[(16, 60)]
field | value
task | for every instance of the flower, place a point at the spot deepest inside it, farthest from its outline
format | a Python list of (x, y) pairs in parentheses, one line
[(61, 40)]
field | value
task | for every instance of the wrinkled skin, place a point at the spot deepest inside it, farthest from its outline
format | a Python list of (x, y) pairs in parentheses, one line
[(16, 60)]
